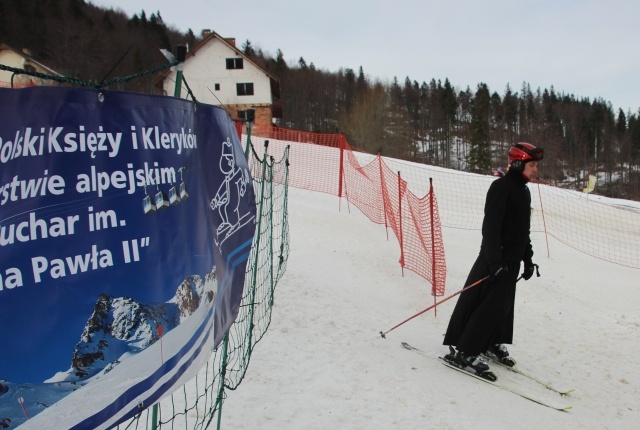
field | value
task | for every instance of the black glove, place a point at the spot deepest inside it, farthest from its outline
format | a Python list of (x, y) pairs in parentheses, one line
[(529, 268), (497, 272)]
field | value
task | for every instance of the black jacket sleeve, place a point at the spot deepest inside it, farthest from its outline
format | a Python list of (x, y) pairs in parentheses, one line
[(494, 212)]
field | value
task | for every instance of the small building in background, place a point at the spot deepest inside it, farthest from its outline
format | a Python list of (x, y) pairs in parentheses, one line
[(22, 59), (220, 74)]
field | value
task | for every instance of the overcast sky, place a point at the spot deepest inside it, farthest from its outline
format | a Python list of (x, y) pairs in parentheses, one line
[(588, 48)]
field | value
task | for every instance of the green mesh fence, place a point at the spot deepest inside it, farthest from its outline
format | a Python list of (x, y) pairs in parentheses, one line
[(199, 403), (83, 83)]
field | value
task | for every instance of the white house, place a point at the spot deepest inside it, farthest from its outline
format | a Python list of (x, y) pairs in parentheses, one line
[(220, 74), (17, 59)]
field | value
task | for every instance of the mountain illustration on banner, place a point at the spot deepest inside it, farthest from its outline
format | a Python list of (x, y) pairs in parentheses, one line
[(118, 327)]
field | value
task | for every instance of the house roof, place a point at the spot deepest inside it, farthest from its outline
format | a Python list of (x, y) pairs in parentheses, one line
[(275, 87), (30, 59)]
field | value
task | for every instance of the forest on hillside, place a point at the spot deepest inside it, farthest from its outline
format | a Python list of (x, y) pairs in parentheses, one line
[(429, 121), (85, 42), (435, 123)]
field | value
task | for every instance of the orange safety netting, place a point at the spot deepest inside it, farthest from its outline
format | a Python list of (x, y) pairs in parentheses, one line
[(326, 163)]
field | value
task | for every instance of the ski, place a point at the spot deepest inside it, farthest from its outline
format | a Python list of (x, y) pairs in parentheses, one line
[(509, 389), (496, 384), (488, 374), (529, 376)]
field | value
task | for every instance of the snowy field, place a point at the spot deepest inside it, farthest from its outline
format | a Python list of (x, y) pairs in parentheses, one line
[(324, 365)]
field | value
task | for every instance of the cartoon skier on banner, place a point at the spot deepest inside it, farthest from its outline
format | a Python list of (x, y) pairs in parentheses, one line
[(227, 199)]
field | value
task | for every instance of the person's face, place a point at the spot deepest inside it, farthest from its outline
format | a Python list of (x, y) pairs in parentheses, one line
[(531, 170)]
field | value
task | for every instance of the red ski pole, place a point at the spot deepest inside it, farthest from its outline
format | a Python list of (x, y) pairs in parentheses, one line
[(383, 334)]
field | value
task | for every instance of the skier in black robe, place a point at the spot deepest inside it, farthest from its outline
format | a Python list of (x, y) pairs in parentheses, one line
[(482, 321)]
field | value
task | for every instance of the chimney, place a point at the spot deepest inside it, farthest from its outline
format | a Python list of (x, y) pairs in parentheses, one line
[(205, 32), (231, 41)]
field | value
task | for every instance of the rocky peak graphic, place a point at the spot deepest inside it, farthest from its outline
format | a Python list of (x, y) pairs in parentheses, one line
[(120, 325), (187, 297)]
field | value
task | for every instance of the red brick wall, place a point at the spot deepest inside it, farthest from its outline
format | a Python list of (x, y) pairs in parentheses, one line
[(263, 113)]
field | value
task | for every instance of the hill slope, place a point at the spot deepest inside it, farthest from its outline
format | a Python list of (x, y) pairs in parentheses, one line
[(323, 363)]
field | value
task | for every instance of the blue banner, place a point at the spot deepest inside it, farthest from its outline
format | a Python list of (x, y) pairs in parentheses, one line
[(126, 221)]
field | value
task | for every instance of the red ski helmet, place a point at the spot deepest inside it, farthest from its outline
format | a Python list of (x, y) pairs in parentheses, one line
[(522, 152)]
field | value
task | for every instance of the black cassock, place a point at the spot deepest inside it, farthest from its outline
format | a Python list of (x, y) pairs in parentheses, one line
[(484, 314)]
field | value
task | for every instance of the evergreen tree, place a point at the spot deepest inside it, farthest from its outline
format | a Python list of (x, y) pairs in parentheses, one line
[(361, 84), (247, 49), (449, 106), (480, 153), (510, 109), (190, 39)]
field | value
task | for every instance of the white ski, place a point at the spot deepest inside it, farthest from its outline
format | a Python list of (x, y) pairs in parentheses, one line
[(528, 375), (563, 408)]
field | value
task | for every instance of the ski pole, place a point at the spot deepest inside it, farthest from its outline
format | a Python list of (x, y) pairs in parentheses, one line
[(433, 306)]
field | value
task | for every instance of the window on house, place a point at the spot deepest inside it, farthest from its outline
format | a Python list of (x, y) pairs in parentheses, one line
[(216, 87), (248, 115), (234, 63), (245, 89)]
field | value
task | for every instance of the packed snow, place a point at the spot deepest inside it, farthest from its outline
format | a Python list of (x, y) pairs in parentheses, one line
[(323, 363)]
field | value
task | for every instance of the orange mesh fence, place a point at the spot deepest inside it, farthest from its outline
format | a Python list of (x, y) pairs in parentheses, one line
[(605, 228), (326, 163), (289, 135), (363, 188), (384, 189), (315, 160), (394, 189), (422, 247)]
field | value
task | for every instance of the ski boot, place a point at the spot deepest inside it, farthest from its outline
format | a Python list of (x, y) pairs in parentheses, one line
[(500, 353), (475, 362)]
